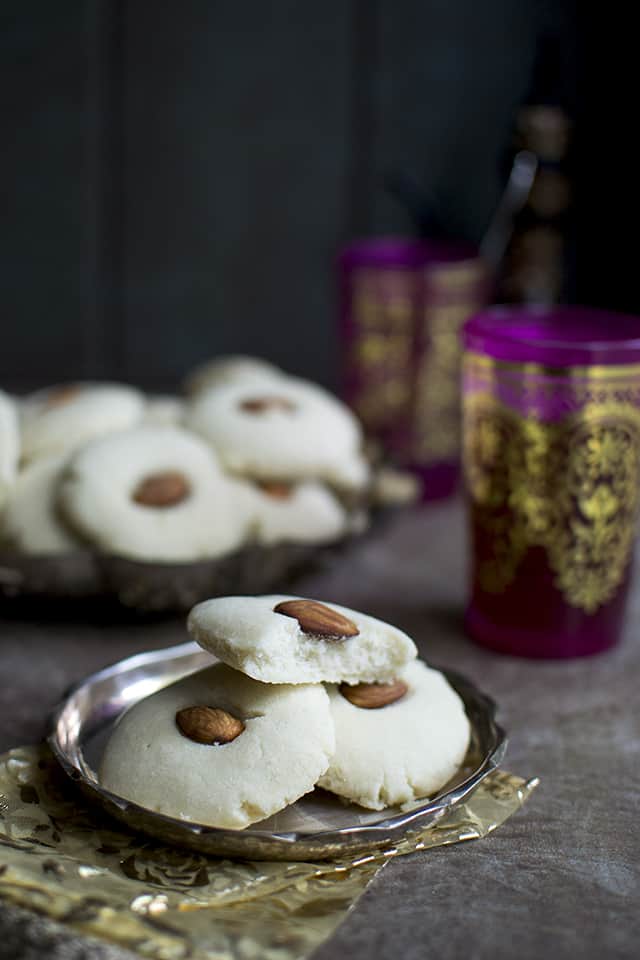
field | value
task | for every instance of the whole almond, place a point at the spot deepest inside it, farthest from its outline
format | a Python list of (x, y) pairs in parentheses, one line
[(266, 403), (162, 489), (278, 491), (318, 620), (208, 724), (372, 696)]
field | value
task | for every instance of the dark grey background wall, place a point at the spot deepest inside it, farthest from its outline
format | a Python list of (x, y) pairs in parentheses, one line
[(178, 176)]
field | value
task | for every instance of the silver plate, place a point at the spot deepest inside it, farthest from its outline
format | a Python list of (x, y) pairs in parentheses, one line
[(317, 827)]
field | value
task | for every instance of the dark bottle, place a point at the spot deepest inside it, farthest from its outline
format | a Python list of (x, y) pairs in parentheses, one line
[(535, 268)]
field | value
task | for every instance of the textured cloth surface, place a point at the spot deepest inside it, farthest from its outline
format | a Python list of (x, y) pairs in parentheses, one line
[(560, 879)]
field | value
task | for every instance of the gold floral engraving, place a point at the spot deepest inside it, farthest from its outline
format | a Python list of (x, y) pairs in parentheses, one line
[(382, 314), (454, 291), (570, 484), (488, 445), (437, 418), (382, 360), (592, 548), (383, 299)]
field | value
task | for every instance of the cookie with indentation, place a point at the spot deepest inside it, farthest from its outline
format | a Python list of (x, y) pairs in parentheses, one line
[(283, 639), (219, 748), (296, 513), (396, 742), (32, 522), (229, 369), (152, 493), (9, 444), (62, 417), (284, 430)]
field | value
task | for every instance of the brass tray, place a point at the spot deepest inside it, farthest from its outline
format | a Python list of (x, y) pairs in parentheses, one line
[(319, 826)]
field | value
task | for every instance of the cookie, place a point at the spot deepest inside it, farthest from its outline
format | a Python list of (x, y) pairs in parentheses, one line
[(62, 417), (281, 639), (32, 522), (287, 429), (164, 410), (298, 513), (228, 369), (152, 493), (9, 444), (392, 751), (273, 742)]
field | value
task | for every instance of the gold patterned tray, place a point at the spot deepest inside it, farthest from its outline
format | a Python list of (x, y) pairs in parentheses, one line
[(317, 827), (61, 857)]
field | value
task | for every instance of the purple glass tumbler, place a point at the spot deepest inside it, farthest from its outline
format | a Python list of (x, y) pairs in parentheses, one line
[(551, 434), (380, 286), (402, 303)]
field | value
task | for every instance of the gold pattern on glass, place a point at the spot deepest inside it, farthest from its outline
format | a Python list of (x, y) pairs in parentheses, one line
[(437, 392), (382, 305), (569, 485), (383, 299), (518, 372), (456, 278), (436, 434), (382, 361)]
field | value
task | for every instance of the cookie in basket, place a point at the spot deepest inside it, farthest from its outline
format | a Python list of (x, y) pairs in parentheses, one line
[(32, 523), (286, 430), (9, 444), (219, 748), (282, 639), (227, 369), (152, 493), (306, 512), (396, 742), (62, 417), (164, 410)]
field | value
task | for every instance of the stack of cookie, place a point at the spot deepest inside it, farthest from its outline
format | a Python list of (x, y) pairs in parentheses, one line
[(306, 694), (251, 455)]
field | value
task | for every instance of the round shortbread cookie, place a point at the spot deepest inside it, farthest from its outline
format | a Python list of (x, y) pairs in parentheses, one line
[(300, 513), (285, 746), (9, 444), (32, 522), (287, 429), (63, 417), (228, 369), (400, 752), (164, 410), (152, 493), (310, 643)]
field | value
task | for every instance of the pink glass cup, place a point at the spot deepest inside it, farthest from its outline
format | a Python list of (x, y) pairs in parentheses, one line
[(551, 437)]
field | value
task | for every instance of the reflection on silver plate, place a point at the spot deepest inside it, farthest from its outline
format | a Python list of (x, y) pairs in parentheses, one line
[(317, 827)]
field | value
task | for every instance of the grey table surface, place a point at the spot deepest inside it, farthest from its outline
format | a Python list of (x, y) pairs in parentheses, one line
[(560, 879)]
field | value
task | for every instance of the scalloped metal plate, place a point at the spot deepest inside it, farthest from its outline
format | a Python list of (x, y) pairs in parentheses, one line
[(330, 829)]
